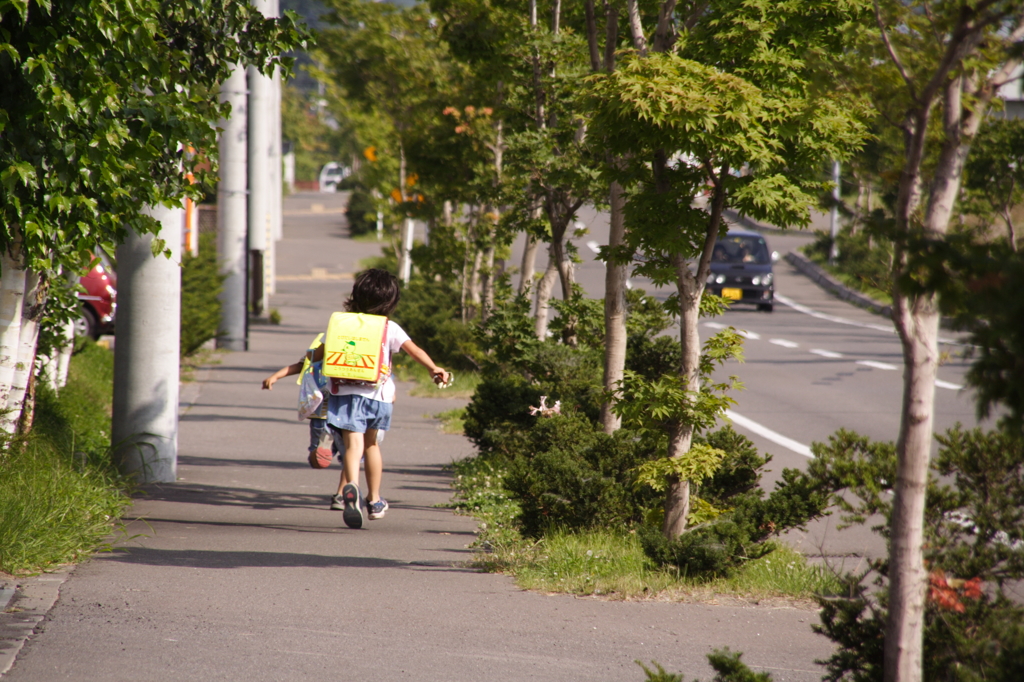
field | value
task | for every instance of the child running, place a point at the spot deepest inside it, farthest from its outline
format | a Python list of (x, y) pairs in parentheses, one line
[(360, 413), (322, 445)]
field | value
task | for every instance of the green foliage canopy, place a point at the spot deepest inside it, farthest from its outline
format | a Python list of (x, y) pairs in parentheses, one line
[(100, 102)]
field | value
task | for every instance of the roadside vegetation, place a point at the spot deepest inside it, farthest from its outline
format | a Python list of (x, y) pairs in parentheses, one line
[(60, 494), (596, 430)]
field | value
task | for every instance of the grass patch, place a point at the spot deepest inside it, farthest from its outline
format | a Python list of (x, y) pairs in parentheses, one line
[(59, 492), (610, 563), (407, 369), (453, 421)]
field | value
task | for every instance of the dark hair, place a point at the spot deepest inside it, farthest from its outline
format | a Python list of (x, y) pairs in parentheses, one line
[(375, 292)]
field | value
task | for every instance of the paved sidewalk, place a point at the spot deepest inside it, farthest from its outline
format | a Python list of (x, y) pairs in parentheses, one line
[(242, 572)]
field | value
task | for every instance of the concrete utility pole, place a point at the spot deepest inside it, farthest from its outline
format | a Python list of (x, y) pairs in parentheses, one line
[(146, 352), (232, 201), (263, 165)]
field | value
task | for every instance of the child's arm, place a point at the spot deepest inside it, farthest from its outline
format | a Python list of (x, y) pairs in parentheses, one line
[(419, 355), (269, 382)]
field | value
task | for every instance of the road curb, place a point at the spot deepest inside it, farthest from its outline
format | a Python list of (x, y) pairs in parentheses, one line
[(30, 600), (830, 283)]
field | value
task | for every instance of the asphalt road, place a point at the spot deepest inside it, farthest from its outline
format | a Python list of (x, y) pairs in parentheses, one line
[(239, 571)]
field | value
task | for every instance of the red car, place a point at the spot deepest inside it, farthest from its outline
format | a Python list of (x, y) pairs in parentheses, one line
[(99, 302)]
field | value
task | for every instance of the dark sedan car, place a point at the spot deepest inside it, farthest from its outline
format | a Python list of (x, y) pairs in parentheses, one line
[(741, 270)]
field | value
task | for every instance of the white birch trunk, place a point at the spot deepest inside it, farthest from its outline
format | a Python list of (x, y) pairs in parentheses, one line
[(12, 293), (60, 377), (527, 268), (544, 288), (26, 359)]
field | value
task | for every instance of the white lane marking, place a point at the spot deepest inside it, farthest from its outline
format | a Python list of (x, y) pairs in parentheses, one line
[(714, 325), (787, 301), (826, 353), (784, 343), (753, 336), (765, 432), (877, 365), (946, 384)]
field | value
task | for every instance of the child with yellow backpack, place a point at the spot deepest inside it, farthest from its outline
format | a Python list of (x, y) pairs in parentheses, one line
[(356, 356)]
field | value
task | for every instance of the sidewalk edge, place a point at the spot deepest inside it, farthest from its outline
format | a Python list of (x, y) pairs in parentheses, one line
[(33, 598)]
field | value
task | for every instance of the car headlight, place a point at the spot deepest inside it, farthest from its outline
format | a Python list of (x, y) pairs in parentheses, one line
[(720, 279), (758, 280)]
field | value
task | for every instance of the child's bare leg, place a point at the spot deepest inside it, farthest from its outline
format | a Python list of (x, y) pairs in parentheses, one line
[(344, 480), (353, 453), (374, 466)]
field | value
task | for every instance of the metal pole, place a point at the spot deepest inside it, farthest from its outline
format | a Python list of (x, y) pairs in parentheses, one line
[(834, 227), (147, 343), (232, 247)]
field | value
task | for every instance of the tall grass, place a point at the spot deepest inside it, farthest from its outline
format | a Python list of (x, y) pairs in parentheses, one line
[(59, 491)]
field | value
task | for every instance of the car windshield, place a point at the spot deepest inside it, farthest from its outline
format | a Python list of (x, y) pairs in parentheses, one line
[(741, 249)]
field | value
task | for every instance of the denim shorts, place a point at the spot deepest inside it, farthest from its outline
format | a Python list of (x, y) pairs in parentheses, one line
[(358, 413)]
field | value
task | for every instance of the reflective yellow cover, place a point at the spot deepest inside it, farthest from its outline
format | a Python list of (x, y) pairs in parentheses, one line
[(354, 346)]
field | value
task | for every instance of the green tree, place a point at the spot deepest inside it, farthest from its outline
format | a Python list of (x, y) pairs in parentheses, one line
[(930, 69), (739, 116), (100, 105), (994, 173)]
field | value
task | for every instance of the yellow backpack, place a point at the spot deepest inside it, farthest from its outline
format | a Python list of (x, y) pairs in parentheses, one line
[(354, 348)]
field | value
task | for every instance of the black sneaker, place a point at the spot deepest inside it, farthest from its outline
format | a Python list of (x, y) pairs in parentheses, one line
[(377, 509), (353, 514), (336, 503)]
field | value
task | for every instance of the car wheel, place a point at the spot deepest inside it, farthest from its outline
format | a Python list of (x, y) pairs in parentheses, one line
[(766, 307), (87, 324)]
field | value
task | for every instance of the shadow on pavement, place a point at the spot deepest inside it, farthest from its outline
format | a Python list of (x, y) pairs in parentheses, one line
[(197, 493), (240, 559)]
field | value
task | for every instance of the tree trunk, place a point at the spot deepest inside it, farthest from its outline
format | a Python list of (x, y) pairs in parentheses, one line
[(487, 289), (917, 321), (614, 310), (64, 358), (677, 499), (475, 284), (12, 293), (527, 267), (544, 287), (33, 303), (690, 287)]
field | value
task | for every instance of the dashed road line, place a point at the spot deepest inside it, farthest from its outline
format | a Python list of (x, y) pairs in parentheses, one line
[(946, 384), (784, 343), (773, 436), (753, 336), (831, 355), (877, 365)]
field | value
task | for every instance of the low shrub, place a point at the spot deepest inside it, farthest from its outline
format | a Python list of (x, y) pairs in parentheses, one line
[(974, 550), (201, 284), (361, 212)]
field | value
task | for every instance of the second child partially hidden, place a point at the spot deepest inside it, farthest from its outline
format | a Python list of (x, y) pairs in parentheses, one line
[(359, 413)]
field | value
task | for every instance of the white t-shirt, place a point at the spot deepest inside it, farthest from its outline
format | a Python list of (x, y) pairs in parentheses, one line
[(385, 391)]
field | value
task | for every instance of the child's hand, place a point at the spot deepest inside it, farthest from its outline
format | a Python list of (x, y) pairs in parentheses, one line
[(269, 382), (441, 377)]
